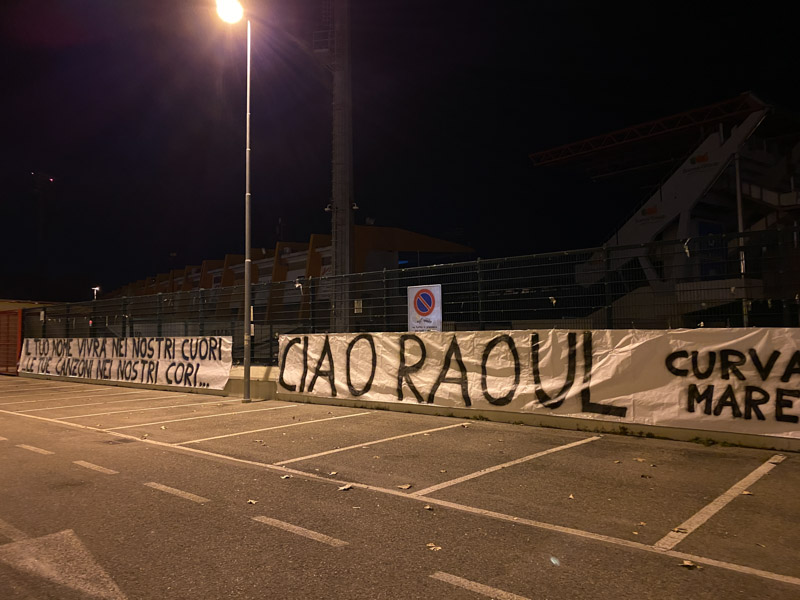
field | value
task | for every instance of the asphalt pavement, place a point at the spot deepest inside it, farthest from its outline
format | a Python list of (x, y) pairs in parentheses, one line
[(112, 493)]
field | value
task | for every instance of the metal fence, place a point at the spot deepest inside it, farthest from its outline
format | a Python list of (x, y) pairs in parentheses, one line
[(713, 281)]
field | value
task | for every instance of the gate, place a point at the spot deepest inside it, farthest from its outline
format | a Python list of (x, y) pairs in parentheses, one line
[(10, 340)]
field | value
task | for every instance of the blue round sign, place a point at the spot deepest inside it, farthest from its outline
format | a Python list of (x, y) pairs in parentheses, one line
[(424, 302)]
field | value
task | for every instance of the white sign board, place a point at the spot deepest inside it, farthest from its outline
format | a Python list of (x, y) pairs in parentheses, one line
[(194, 362), (425, 308), (745, 381)]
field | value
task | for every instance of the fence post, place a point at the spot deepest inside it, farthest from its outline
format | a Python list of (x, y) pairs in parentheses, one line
[(312, 300), (606, 292), (385, 302), (158, 314), (480, 293)]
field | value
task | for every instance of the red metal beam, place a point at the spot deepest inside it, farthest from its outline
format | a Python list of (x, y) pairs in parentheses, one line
[(737, 107)]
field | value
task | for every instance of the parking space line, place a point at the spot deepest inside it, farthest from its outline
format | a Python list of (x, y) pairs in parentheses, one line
[(71, 393), (194, 418), (98, 403), (478, 588), (23, 402), (674, 537), (11, 532), (177, 492), (389, 439), (116, 412), (34, 449), (313, 535), (445, 504), (488, 470), (98, 468), (217, 437)]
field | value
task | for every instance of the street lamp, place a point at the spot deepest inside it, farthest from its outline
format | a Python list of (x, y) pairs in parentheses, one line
[(231, 11)]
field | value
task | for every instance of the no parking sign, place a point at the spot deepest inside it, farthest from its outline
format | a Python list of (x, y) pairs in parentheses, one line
[(425, 308)]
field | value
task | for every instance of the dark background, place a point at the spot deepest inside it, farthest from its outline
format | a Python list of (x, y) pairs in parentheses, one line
[(136, 111)]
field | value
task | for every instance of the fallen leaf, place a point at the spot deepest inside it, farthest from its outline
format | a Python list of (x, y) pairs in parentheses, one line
[(333, 472), (442, 470), (286, 476), (163, 427), (145, 436), (653, 465), (639, 459), (465, 425), (690, 565), (405, 486), (647, 476), (345, 487), (642, 524), (616, 462), (571, 497), (680, 530), (432, 546), (746, 493), (635, 533), (252, 501), (428, 507), (376, 457)]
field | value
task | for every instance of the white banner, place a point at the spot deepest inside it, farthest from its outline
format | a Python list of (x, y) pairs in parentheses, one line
[(735, 380), (194, 362)]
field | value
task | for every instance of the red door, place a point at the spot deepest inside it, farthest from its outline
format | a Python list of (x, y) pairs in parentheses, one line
[(10, 340)]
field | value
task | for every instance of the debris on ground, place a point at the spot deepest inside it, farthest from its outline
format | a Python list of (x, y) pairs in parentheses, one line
[(746, 493), (432, 546), (252, 501), (286, 476), (333, 473), (571, 497), (680, 530), (690, 565), (555, 561), (428, 507), (346, 487), (405, 486), (639, 459)]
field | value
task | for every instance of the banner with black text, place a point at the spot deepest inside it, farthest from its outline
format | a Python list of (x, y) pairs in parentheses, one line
[(193, 362), (734, 380)]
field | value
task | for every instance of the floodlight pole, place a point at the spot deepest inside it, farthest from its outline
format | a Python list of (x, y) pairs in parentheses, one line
[(247, 300)]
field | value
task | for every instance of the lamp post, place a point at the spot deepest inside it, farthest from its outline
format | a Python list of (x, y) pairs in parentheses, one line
[(231, 11)]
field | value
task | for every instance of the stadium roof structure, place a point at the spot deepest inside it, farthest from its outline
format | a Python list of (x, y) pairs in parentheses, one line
[(649, 150)]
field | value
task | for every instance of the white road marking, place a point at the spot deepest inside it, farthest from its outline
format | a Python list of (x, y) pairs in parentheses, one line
[(313, 535), (452, 505), (673, 538), (69, 394), (11, 532), (99, 403), (116, 412), (98, 468), (34, 449), (61, 558), (389, 439), (458, 480), (216, 437), (177, 492), (230, 414), (479, 588)]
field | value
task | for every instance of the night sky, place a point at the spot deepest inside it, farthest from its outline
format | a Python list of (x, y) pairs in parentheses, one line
[(136, 109)]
